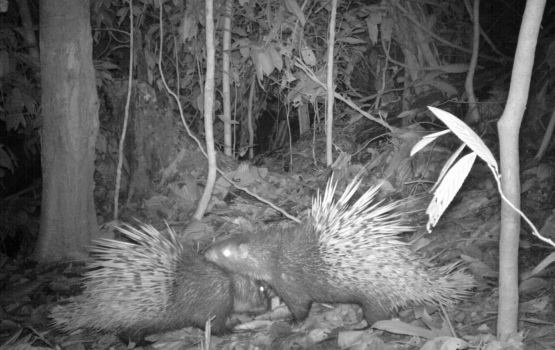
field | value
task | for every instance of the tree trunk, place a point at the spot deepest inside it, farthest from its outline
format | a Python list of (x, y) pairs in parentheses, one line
[(509, 127), (70, 127)]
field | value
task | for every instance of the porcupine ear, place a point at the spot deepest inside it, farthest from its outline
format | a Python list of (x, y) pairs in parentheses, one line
[(243, 250)]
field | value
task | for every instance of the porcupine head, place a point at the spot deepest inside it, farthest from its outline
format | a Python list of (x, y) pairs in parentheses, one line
[(343, 254)]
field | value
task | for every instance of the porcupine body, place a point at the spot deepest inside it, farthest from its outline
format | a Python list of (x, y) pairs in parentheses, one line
[(343, 254), (156, 285)]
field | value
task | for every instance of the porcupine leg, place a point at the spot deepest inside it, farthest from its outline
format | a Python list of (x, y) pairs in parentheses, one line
[(299, 306), (218, 326), (127, 336), (373, 311)]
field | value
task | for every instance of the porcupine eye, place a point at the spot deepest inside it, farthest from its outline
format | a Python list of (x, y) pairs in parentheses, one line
[(227, 252)]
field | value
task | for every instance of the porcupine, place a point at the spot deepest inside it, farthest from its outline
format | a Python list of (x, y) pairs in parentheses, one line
[(343, 254), (156, 285)]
